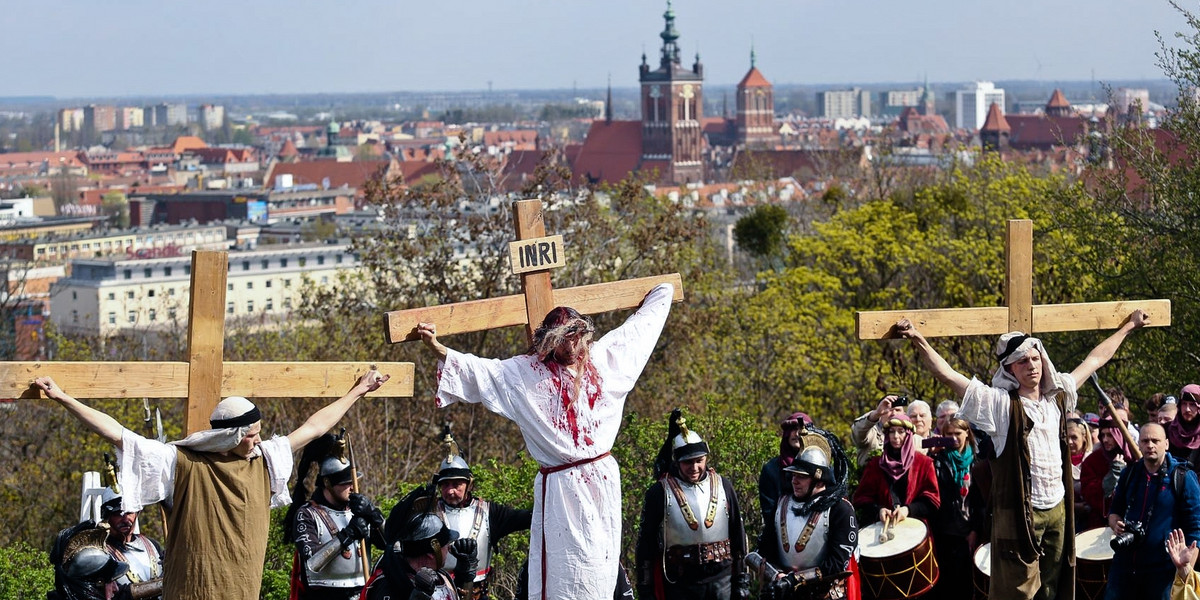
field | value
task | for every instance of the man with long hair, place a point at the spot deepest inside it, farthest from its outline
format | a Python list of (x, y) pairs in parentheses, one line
[(567, 394)]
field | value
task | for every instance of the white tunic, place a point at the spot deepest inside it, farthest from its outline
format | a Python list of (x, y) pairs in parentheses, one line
[(576, 511)]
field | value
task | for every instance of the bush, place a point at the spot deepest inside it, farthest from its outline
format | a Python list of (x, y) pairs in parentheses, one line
[(25, 573)]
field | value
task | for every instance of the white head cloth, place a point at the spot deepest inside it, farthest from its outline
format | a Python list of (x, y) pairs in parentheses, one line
[(1005, 380), (225, 439)]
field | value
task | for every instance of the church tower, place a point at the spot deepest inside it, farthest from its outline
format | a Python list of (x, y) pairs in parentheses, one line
[(755, 109), (672, 106)]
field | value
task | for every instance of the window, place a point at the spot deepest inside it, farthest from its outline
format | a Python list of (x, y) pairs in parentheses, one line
[(150, 293), (129, 294), (245, 265), (112, 318), (249, 285), (187, 269), (153, 315), (339, 259), (229, 287), (171, 314), (267, 283), (170, 291), (321, 259), (74, 295), (270, 305), (283, 263), (287, 303), (229, 308), (167, 271), (74, 316), (266, 263), (249, 306), (287, 283), (146, 272), (112, 295), (302, 261), (128, 273), (324, 279), (133, 316)]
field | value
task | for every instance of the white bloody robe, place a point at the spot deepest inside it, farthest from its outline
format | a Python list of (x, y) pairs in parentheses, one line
[(575, 540)]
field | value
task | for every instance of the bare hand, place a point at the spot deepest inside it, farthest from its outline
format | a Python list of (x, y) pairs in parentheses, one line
[(884, 514), (900, 513), (905, 329), (427, 331), (1182, 555), (48, 386), (1116, 524), (370, 381), (1139, 319), (884, 410)]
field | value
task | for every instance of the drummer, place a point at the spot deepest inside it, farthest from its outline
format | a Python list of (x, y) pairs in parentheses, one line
[(900, 483), (1153, 496)]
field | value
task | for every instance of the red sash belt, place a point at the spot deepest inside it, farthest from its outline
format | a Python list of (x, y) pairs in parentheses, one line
[(546, 471)]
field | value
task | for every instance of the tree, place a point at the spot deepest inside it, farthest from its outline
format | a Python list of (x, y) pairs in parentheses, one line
[(761, 232)]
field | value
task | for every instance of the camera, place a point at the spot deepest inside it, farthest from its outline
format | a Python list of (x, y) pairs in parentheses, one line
[(939, 441), (900, 402), (1132, 537)]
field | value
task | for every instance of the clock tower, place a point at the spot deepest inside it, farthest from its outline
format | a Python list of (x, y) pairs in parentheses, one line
[(672, 106)]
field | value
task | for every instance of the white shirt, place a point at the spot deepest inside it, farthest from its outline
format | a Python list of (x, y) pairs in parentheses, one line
[(987, 408)]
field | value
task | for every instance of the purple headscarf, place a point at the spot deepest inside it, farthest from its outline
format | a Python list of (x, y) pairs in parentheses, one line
[(896, 463), (1185, 435)]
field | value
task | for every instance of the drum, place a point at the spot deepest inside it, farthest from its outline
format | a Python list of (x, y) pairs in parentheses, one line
[(982, 576), (1093, 556), (901, 567)]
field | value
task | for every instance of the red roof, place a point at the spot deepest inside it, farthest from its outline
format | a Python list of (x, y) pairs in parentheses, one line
[(415, 170), (754, 78), (1044, 131), (187, 142), (288, 150), (1058, 100), (524, 139), (995, 120), (611, 151), (352, 174)]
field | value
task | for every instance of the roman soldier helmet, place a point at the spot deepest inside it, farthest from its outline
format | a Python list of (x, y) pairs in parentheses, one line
[(110, 503), (84, 557), (681, 444), (336, 470), (814, 462), (453, 466), (425, 533)]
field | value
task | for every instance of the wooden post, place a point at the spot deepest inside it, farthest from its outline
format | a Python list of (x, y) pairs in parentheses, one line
[(1021, 314), (204, 378), (539, 294)]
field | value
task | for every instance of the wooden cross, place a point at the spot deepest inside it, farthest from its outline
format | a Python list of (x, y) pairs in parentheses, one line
[(539, 297), (1021, 314), (204, 378)]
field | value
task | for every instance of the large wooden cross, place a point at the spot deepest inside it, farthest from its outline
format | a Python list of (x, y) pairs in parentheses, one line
[(1021, 314), (533, 254), (204, 378)]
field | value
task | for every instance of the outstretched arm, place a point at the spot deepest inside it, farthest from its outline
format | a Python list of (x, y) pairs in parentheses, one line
[(106, 426), (933, 361), (428, 333), (323, 420), (1100, 355)]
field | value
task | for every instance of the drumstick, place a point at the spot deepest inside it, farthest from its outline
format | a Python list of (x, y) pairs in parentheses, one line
[(884, 534), (1134, 451)]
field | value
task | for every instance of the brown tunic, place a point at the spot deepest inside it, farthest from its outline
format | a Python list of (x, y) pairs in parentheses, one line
[(218, 523)]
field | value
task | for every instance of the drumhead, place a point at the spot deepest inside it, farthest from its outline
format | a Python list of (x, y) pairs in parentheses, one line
[(1093, 544), (983, 559), (907, 535)]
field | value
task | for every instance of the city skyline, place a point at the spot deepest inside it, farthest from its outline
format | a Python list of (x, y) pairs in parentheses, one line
[(140, 47)]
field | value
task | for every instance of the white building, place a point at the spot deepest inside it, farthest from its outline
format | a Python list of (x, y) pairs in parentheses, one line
[(212, 116), (971, 104), (844, 104), (105, 296)]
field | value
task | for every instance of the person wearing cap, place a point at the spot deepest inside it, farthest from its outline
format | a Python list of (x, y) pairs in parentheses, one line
[(900, 483), (813, 534), (1099, 472), (567, 394), (1023, 410), (143, 555), (330, 526), (772, 484), (467, 515), (691, 542), (414, 566), (83, 567), (217, 487), (1183, 434)]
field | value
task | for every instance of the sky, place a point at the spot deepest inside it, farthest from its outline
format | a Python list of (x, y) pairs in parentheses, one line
[(90, 48)]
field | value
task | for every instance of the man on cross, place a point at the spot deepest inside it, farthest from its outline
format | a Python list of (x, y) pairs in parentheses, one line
[(1023, 411), (217, 486), (566, 394)]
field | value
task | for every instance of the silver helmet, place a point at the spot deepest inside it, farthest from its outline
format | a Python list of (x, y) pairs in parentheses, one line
[(453, 466), (687, 444), (336, 470), (814, 462), (94, 563)]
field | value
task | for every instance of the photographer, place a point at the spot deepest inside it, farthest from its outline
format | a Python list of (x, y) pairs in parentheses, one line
[(867, 431), (1153, 496)]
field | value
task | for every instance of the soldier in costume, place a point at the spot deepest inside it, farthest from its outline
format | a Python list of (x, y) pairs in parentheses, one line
[(451, 497), (414, 566), (331, 527), (83, 568), (143, 555), (805, 550), (691, 542)]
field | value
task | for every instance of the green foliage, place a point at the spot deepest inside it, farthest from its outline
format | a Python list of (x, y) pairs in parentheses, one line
[(762, 231), (25, 572)]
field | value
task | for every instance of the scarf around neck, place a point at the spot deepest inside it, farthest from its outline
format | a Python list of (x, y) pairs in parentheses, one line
[(895, 463), (1182, 435)]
